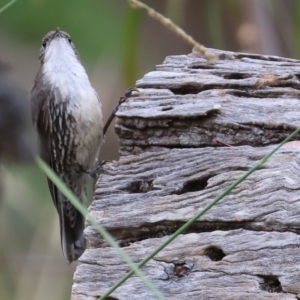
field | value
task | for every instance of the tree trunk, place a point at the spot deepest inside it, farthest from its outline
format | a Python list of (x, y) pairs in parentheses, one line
[(193, 129)]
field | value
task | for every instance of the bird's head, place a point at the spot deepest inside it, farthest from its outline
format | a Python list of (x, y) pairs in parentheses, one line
[(56, 44)]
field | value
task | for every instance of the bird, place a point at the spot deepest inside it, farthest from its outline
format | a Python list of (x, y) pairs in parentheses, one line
[(67, 116)]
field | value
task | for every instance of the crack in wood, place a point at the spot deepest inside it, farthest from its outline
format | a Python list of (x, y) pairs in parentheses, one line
[(162, 229), (194, 185)]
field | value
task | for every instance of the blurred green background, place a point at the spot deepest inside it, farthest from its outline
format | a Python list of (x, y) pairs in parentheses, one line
[(117, 45)]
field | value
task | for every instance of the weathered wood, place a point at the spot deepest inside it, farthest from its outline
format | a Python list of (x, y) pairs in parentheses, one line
[(237, 264), (247, 246), (242, 99), (154, 193)]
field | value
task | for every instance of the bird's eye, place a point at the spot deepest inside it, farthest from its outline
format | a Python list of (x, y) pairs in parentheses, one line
[(69, 40), (44, 44)]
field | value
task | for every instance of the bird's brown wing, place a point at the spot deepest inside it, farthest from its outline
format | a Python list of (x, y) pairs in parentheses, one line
[(71, 221), (41, 98)]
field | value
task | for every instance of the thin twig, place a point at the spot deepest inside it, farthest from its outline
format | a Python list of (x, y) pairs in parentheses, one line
[(173, 27), (223, 143)]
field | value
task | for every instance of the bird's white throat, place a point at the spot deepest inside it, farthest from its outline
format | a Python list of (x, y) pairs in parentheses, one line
[(63, 70)]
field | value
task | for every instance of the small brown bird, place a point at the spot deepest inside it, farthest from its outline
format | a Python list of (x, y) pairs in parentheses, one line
[(67, 115)]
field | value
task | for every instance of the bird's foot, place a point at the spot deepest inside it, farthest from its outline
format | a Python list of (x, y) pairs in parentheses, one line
[(95, 173)]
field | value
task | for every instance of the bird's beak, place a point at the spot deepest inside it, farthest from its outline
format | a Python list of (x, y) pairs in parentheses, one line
[(57, 32)]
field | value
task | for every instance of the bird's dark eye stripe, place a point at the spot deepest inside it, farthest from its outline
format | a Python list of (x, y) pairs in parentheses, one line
[(44, 42), (69, 39)]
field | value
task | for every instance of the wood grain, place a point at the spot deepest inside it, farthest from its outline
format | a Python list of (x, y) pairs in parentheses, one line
[(173, 162), (152, 194), (242, 99), (254, 265)]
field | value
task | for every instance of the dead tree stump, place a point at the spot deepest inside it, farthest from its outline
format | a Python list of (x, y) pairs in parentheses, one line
[(174, 160)]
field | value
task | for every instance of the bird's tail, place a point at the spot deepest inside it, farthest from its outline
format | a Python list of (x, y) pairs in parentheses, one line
[(71, 230)]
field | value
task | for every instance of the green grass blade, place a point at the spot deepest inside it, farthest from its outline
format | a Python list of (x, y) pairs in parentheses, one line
[(130, 46), (6, 6), (297, 27), (201, 213), (67, 192), (215, 24)]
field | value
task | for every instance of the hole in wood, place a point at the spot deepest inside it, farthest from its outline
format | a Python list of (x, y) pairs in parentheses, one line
[(107, 298), (236, 76), (181, 270), (270, 284), (298, 76), (194, 185), (167, 108), (201, 66), (141, 186), (185, 89), (214, 253)]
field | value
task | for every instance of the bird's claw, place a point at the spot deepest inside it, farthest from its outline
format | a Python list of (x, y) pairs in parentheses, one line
[(95, 173)]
